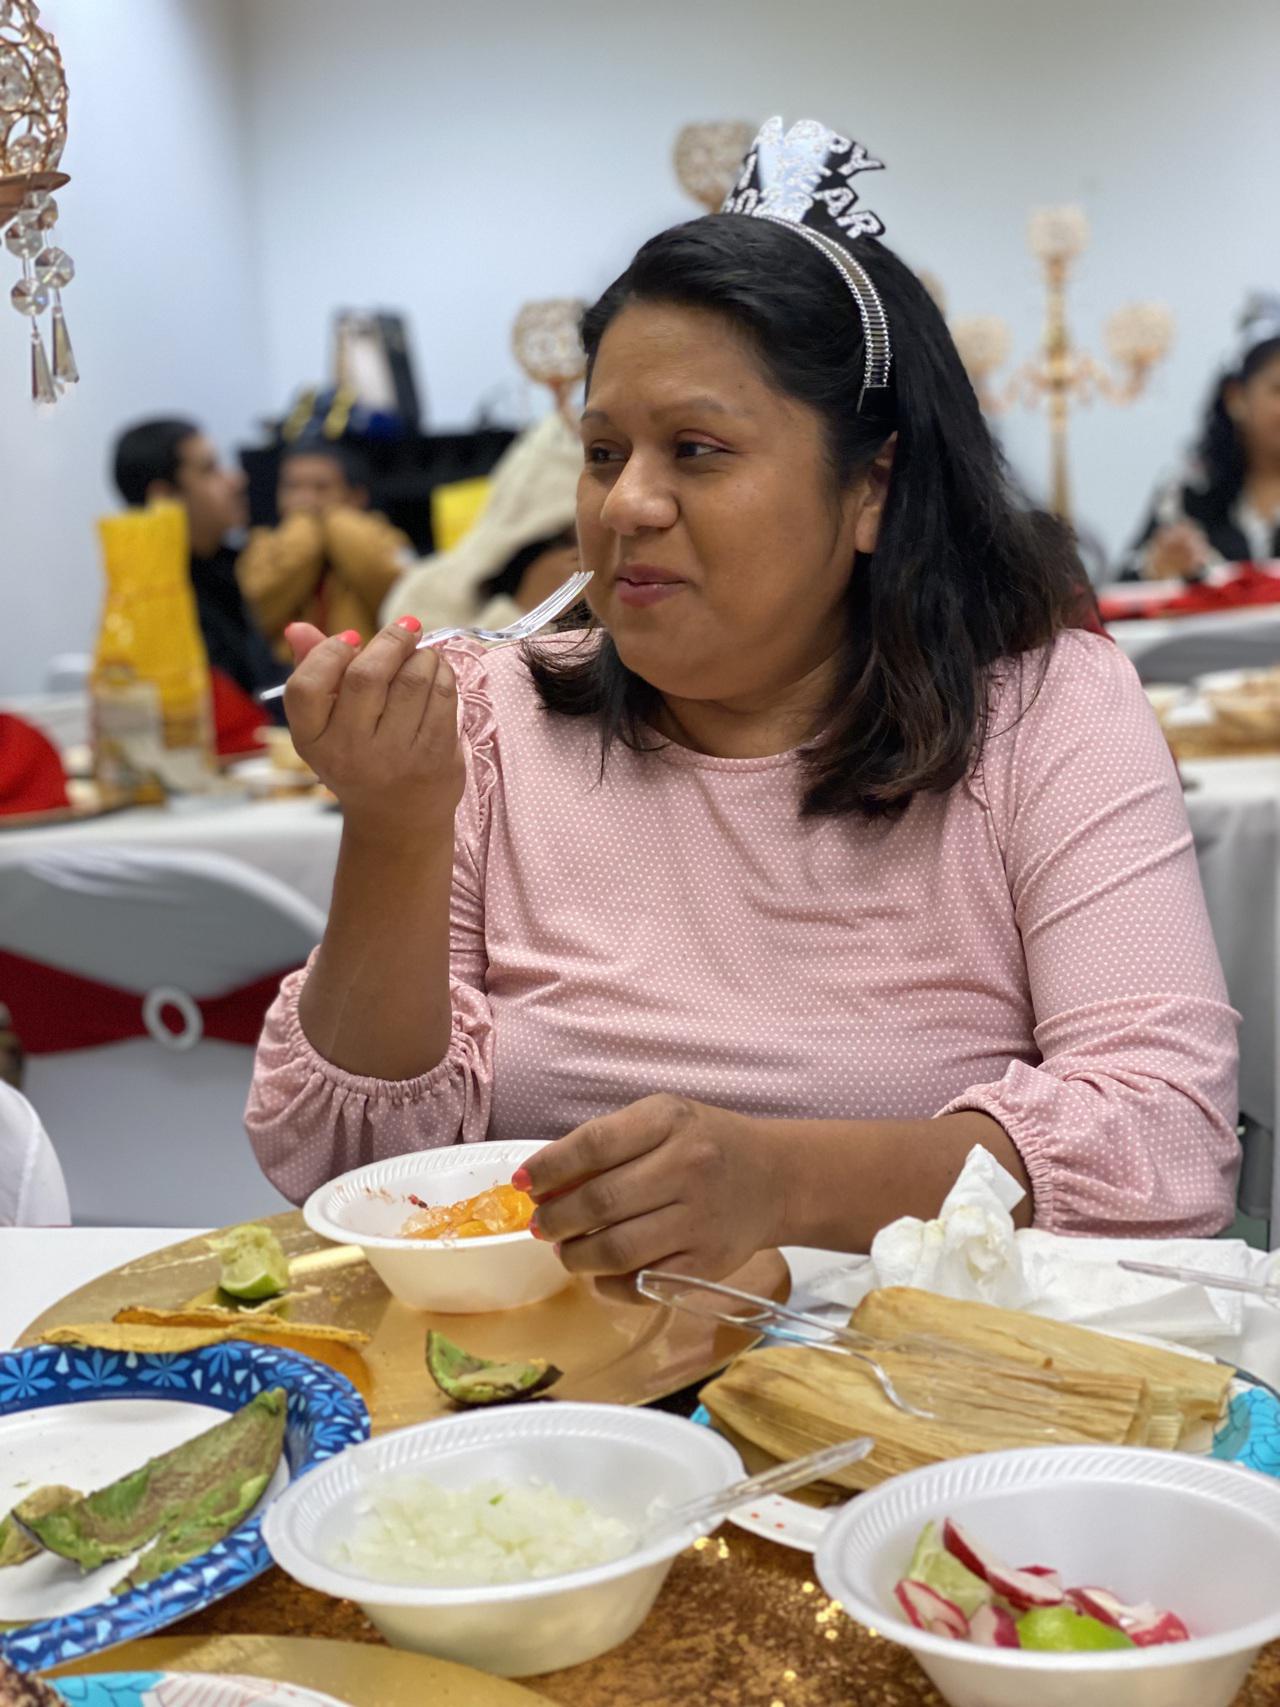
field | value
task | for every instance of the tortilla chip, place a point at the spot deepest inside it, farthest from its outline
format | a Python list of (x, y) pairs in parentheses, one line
[(114, 1336), (240, 1324)]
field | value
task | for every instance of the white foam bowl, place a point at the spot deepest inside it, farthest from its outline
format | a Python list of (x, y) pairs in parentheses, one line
[(1193, 1535), (368, 1206), (617, 1458)]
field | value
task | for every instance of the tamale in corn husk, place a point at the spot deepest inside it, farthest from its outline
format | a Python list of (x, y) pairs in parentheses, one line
[(790, 1400), (1184, 1391)]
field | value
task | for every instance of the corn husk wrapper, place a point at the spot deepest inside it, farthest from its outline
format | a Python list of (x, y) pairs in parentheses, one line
[(993, 1378), (1184, 1390), (790, 1400)]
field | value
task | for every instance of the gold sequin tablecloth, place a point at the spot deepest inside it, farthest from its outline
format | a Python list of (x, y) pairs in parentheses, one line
[(740, 1623)]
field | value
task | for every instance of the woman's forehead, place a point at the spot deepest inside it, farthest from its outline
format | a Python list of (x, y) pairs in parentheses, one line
[(665, 356)]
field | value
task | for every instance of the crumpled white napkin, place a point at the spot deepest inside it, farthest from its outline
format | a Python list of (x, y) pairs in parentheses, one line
[(972, 1250)]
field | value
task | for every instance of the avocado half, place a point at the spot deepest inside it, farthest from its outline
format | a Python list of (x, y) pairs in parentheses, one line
[(469, 1380)]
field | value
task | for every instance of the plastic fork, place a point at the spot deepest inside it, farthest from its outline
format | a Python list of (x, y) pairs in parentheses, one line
[(523, 628), (780, 1480), (1268, 1289)]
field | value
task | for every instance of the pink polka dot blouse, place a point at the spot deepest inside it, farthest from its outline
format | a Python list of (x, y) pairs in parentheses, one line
[(1033, 944)]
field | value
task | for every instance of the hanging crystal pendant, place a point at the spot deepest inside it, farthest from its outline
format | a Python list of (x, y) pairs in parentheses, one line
[(65, 370), (42, 386)]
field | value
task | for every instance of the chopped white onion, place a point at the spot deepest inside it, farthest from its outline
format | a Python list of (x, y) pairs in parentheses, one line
[(410, 1530)]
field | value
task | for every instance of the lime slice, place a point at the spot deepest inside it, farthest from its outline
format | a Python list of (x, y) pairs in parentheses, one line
[(253, 1265), (1061, 1630), (939, 1570)]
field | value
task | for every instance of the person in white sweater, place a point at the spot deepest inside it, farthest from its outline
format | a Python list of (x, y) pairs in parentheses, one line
[(33, 1192)]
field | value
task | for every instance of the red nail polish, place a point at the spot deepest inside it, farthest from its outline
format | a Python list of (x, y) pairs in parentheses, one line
[(410, 624), (521, 1180), (351, 637), (535, 1229)]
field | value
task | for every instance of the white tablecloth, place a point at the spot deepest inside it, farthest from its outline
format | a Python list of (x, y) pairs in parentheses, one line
[(39, 1265), (1234, 808), (293, 840), (1179, 648)]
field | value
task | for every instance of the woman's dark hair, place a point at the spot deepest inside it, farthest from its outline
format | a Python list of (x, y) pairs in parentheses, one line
[(963, 575), (1219, 455)]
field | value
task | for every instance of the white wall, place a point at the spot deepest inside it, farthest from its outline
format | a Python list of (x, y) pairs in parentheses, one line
[(162, 312), (457, 159), (240, 167)]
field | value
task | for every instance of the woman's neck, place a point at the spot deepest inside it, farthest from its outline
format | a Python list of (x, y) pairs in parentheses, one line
[(753, 726), (1262, 489)]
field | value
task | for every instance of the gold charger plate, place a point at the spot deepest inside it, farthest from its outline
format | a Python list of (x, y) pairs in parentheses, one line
[(355, 1672), (609, 1352)]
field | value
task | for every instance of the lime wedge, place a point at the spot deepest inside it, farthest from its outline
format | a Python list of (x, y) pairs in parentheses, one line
[(932, 1565), (1061, 1630), (253, 1265)]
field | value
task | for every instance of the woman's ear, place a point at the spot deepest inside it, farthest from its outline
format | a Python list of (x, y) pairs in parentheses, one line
[(1233, 400), (876, 493)]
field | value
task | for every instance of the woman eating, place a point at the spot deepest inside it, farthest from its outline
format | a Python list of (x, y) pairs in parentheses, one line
[(1224, 505), (824, 853)]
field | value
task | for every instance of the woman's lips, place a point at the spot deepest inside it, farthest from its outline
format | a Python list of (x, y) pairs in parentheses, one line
[(642, 584), (643, 593)]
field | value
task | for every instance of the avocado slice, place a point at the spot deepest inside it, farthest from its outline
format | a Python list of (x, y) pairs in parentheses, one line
[(198, 1487), (469, 1380), (16, 1545)]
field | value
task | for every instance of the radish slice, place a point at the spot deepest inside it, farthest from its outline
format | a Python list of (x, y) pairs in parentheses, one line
[(1022, 1589), (930, 1611), (1101, 1604), (1168, 1627), (993, 1627), (1146, 1625), (1042, 1571)]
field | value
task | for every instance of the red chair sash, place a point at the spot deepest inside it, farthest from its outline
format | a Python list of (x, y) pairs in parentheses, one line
[(53, 1010)]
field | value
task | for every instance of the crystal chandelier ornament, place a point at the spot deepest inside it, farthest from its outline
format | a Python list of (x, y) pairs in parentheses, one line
[(33, 134), (708, 157), (548, 346)]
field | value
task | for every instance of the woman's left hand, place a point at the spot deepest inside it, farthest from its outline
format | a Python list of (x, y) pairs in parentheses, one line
[(663, 1183)]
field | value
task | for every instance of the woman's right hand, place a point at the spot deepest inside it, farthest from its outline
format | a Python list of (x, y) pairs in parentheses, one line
[(379, 726), (1176, 552)]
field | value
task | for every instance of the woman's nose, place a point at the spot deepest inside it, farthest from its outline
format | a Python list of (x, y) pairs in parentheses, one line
[(638, 499)]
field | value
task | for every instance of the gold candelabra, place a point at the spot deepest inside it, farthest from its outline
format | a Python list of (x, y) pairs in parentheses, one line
[(1062, 376)]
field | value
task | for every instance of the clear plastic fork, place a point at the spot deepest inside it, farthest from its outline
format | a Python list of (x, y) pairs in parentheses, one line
[(523, 628)]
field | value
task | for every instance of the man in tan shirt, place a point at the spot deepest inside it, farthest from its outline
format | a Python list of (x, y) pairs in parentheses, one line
[(332, 560)]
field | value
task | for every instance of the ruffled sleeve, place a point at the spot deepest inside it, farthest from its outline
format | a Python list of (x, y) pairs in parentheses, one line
[(309, 1120), (1126, 1123)]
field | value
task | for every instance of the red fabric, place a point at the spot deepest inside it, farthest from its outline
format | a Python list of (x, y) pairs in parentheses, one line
[(1251, 586), (31, 778), (53, 1010), (1087, 614), (237, 720)]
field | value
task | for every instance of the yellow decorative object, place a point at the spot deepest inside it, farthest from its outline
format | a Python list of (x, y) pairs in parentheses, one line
[(150, 694), (455, 510)]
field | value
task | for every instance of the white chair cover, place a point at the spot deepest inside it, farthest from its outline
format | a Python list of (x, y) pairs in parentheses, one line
[(151, 1134)]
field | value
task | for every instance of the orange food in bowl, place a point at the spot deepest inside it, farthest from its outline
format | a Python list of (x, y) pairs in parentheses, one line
[(500, 1209)]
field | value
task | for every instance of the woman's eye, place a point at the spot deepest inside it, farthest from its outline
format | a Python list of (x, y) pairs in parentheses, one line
[(597, 454), (695, 449)]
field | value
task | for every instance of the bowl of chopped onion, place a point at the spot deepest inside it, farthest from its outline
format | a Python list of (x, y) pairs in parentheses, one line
[(518, 1540), (1119, 1576), (443, 1229)]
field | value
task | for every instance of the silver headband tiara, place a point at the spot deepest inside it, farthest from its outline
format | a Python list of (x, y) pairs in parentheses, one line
[(789, 176), (1259, 324)]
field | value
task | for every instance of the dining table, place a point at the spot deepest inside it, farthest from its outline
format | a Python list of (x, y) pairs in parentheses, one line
[(741, 1621)]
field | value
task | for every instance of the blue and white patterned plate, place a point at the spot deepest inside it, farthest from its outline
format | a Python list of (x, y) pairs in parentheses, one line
[(325, 1415), (1250, 1435), (185, 1689)]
